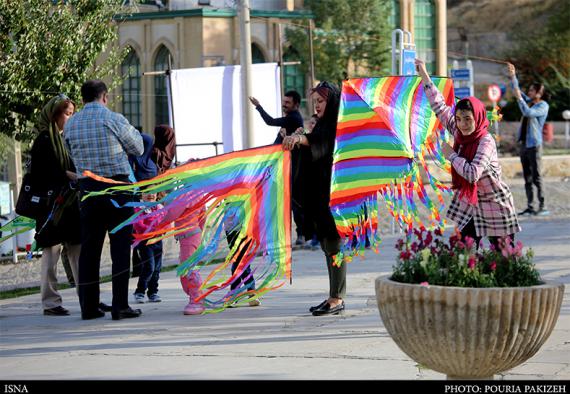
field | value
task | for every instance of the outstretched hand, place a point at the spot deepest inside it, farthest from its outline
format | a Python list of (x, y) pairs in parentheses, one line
[(511, 70), (422, 70), (254, 101), (289, 142), (447, 149)]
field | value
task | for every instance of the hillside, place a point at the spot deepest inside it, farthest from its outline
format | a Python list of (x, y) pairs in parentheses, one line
[(491, 25)]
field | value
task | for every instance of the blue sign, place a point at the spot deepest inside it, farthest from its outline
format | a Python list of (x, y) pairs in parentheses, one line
[(408, 65), (462, 92), (461, 74)]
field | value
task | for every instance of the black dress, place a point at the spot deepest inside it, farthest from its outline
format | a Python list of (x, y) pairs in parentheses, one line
[(317, 168), (47, 174)]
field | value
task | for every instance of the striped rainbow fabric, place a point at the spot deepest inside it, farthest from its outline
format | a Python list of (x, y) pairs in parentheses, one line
[(245, 191), (385, 130)]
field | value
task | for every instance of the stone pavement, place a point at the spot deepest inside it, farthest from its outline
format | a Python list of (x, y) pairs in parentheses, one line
[(278, 340)]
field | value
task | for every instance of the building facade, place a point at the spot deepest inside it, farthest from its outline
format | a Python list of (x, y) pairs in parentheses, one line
[(192, 34), (427, 21), (203, 33)]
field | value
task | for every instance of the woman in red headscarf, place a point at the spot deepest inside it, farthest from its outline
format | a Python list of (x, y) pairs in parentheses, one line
[(482, 205)]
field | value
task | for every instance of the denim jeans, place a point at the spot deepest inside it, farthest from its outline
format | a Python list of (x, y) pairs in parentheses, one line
[(151, 263)]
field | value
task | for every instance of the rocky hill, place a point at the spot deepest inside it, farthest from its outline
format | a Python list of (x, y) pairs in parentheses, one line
[(490, 26)]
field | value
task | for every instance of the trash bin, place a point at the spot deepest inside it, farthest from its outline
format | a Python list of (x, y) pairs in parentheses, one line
[(548, 132)]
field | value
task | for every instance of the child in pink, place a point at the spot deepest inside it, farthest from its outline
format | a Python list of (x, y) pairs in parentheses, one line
[(192, 281), (189, 242)]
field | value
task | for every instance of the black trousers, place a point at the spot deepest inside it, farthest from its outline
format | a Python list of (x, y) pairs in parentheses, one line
[(469, 231), (98, 217), (246, 278), (531, 163)]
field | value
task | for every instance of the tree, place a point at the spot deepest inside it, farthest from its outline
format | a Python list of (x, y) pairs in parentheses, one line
[(51, 47), (352, 38), (544, 56)]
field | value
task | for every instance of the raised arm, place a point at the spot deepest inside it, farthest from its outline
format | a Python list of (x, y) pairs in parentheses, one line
[(436, 100), (515, 84)]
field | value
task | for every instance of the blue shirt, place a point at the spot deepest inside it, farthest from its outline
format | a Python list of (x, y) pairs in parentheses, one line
[(143, 166), (536, 118), (100, 140)]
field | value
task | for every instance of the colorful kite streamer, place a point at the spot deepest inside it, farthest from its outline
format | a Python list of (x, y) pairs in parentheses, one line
[(385, 130), (246, 191)]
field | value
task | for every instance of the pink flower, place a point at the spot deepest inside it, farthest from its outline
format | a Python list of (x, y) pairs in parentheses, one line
[(518, 249), (469, 242), (426, 284), (493, 266), (404, 255), (438, 232), (471, 262), (460, 245), (415, 247), (400, 244), (428, 239)]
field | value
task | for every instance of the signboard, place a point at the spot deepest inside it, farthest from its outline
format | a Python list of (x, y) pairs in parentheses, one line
[(494, 93), (463, 92), (461, 74), (408, 65), (4, 198)]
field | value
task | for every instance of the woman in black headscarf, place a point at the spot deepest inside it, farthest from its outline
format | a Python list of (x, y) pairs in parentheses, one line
[(52, 169), (316, 185)]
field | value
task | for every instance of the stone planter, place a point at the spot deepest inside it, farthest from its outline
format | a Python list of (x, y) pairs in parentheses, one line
[(468, 333)]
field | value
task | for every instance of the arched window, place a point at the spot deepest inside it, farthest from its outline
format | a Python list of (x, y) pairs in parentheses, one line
[(256, 54), (160, 93), (424, 32), (131, 71), (293, 76)]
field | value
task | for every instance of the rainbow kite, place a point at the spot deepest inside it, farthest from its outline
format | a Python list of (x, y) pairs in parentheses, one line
[(385, 130), (246, 191)]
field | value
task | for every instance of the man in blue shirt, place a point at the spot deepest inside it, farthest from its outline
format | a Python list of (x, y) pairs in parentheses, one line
[(100, 141), (534, 111)]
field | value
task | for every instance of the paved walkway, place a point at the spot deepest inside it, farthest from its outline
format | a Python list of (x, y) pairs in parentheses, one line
[(278, 340)]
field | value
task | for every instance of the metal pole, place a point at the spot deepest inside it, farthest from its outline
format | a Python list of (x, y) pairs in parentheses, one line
[(169, 76), (245, 61), (280, 53), (567, 134), (312, 64)]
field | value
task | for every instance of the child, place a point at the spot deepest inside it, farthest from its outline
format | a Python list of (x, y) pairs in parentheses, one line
[(246, 278), (189, 242), (151, 258), (482, 204)]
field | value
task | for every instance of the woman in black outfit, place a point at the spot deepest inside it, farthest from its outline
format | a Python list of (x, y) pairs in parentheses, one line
[(316, 183), (52, 169)]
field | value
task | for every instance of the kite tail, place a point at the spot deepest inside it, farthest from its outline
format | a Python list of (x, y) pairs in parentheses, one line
[(242, 197)]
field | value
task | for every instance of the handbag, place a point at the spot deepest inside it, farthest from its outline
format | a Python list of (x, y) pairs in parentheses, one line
[(32, 202)]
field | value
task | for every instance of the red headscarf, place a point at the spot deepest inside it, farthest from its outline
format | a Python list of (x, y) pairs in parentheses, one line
[(466, 147)]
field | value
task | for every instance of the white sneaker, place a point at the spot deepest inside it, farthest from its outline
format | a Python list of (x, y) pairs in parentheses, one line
[(154, 298), (139, 298), (255, 302)]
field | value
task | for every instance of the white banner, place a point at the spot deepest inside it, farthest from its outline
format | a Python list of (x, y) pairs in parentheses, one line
[(207, 108)]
